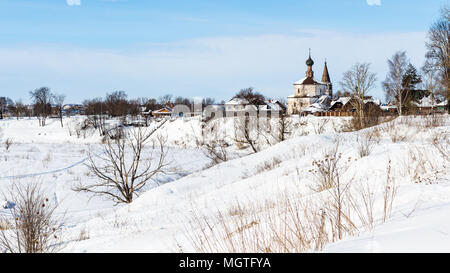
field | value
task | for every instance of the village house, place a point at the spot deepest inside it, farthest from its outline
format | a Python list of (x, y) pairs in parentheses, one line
[(166, 111), (428, 105), (73, 109), (442, 106), (237, 106), (346, 106)]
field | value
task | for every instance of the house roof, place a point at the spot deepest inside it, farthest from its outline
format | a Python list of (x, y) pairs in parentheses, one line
[(308, 81), (165, 110), (426, 102), (386, 107), (315, 107), (342, 100), (237, 101), (270, 106)]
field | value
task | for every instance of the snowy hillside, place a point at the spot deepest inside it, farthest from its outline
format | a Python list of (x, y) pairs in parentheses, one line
[(394, 177)]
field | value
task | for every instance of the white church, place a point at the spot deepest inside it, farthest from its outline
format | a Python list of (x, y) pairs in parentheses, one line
[(307, 91)]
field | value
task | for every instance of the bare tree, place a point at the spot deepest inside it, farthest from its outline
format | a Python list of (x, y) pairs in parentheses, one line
[(32, 225), (216, 151), (438, 46), (393, 83), (59, 101), (96, 110), (126, 165), (2, 106), (359, 81), (246, 130), (19, 109), (432, 81), (42, 98), (117, 104), (284, 126), (165, 99), (253, 97), (401, 83)]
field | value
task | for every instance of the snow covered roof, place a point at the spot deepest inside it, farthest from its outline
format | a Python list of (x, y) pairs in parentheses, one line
[(323, 99), (270, 107), (216, 106), (165, 110), (308, 80), (343, 100), (237, 101), (315, 107), (386, 107), (426, 102), (443, 103)]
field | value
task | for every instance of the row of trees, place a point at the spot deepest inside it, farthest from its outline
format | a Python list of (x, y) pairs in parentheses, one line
[(117, 104), (404, 84), (17, 108)]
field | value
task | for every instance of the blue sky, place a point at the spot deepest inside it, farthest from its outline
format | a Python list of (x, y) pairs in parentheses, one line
[(86, 48)]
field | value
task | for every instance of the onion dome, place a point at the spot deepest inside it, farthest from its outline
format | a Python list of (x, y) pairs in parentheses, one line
[(309, 62)]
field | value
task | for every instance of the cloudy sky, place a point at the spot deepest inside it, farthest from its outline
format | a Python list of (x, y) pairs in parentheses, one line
[(86, 48)]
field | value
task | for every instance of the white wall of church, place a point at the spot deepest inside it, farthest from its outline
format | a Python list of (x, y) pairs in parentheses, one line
[(309, 90)]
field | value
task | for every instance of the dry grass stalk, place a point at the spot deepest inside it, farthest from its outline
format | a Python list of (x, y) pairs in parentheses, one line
[(31, 225)]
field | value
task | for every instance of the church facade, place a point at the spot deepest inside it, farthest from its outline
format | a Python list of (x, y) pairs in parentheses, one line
[(307, 91)]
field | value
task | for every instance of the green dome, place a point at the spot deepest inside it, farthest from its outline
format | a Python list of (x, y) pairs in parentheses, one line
[(309, 62)]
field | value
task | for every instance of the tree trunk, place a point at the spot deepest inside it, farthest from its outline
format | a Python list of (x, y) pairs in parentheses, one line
[(61, 117)]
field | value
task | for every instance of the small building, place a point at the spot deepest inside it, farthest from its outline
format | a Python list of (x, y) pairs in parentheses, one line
[(213, 110), (239, 105), (163, 112), (73, 109), (346, 106), (321, 105), (272, 107), (442, 106), (236, 104), (342, 104), (426, 105), (166, 111)]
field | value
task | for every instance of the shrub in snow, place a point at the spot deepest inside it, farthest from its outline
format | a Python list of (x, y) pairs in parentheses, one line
[(32, 224)]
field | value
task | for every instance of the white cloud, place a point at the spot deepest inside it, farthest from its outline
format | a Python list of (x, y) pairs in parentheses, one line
[(73, 2), (373, 2), (215, 66)]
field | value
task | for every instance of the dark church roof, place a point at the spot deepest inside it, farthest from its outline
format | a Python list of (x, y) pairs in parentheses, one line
[(310, 61), (309, 80), (326, 75)]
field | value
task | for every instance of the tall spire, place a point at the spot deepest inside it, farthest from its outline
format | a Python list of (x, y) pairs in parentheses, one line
[(326, 75)]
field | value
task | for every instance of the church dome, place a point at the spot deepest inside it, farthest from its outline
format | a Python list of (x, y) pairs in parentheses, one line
[(309, 62)]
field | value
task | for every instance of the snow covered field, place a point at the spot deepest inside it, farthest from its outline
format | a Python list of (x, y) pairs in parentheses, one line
[(255, 185)]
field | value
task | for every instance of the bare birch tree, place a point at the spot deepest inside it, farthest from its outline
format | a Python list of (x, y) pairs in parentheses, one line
[(438, 46), (358, 81), (392, 85), (126, 166), (431, 81)]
